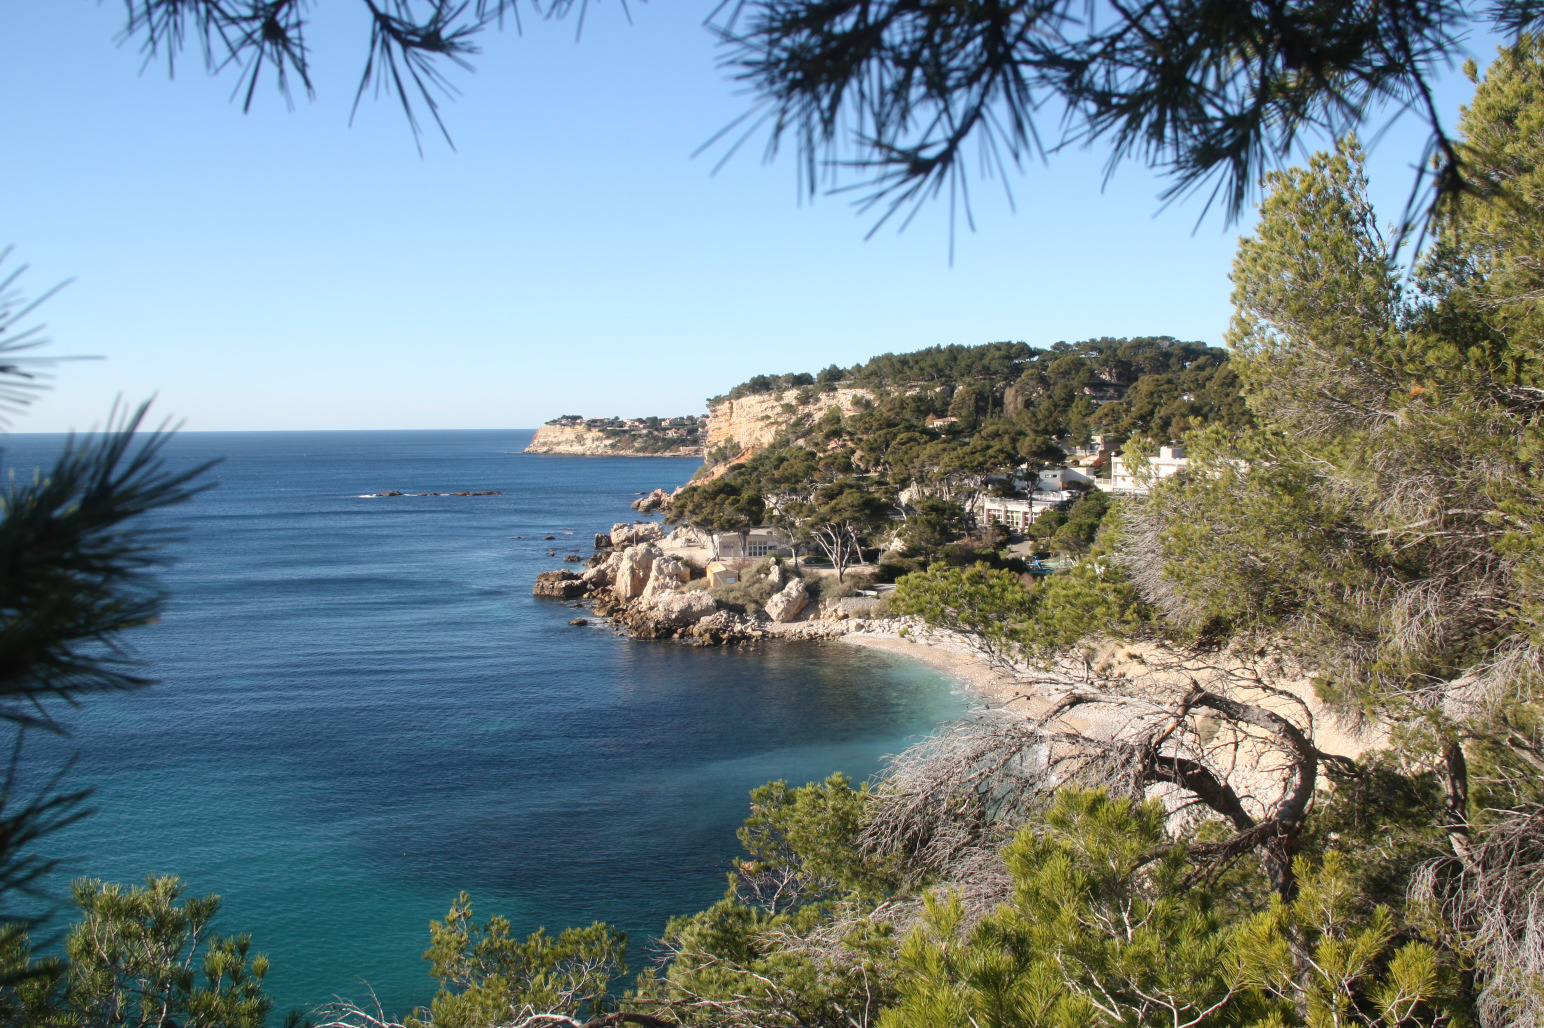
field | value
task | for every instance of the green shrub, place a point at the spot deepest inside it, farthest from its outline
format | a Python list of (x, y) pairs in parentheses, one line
[(893, 568), (826, 587), (754, 587)]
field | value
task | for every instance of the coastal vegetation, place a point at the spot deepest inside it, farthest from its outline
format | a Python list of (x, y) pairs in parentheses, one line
[(636, 437), (1162, 832), (933, 431), (1172, 832)]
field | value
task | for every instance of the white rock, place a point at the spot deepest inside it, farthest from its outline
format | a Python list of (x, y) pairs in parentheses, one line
[(691, 606), (625, 534), (633, 570), (775, 575), (786, 605), (667, 576)]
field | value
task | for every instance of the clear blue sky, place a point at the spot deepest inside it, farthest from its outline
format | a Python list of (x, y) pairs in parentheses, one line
[(282, 270)]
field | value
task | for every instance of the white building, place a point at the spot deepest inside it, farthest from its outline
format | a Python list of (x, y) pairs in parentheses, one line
[(1014, 515), (1124, 479), (1046, 489), (761, 542), (1054, 480)]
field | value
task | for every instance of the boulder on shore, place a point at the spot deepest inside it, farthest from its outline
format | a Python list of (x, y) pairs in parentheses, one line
[(786, 605), (558, 585), (667, 576), (633, 570), (684, 608), (624, 534), (656, 501), (602, 541)]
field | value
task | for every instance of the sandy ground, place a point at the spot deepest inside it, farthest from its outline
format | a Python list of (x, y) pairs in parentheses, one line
[(955, 660), (996, 688)]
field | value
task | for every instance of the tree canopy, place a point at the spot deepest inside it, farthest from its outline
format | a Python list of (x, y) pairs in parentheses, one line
[(901, 95)]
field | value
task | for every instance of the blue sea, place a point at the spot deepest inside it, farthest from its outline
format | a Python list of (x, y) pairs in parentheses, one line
[(363, 711)]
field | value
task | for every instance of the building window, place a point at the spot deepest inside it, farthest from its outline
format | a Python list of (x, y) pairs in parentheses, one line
[(759, 549)]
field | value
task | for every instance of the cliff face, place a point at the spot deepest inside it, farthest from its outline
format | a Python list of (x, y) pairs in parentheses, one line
[(753, 421), (598, 438)]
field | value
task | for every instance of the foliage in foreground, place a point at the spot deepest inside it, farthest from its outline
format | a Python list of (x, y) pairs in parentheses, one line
[(487, 976), (137, 958), (1104, 923), (1175, 844), (1010, 621), (1106, 927)]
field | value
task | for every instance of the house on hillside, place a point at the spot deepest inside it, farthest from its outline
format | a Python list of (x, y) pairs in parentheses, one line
[(1058, 480), (1123, 479), (1096, 446), (761, 542), (1013, 514), (1052, 485)]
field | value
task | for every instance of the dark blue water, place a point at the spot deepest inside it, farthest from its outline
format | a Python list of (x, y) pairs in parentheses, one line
[(363, 711)]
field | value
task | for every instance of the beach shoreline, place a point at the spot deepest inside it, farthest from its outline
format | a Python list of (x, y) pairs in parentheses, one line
[(953, 658)]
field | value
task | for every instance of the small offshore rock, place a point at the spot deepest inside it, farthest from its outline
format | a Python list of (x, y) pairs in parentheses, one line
[(549, 537), (559, 585), (573, 558), (580, 621), (602, 541)]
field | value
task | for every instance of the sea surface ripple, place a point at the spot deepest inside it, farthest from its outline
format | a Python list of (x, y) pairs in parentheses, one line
[(363, 711)]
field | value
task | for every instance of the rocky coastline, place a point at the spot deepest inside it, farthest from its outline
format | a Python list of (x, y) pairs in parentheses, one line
[(574, 436), (649, 594)]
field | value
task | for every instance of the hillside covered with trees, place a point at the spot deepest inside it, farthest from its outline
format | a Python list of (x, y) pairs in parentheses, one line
[(936, 430), (1162, 387), (1281, 760)]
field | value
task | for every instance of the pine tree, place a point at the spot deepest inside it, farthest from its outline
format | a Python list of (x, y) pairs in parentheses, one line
[(79, 548)]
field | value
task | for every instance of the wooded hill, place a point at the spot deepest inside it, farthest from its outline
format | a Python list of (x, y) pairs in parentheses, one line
[(898, 468), (1152, 384)]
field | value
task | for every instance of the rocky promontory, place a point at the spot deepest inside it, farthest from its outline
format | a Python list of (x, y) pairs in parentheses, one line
[(574, 436), (755, 420), (652, 594)]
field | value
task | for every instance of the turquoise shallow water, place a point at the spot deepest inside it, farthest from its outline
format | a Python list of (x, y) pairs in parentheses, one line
[(364, 711)]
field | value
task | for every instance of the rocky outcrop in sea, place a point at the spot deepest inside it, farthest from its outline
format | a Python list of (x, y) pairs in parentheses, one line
[(575, 436), (653, 503), (651, 595)]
